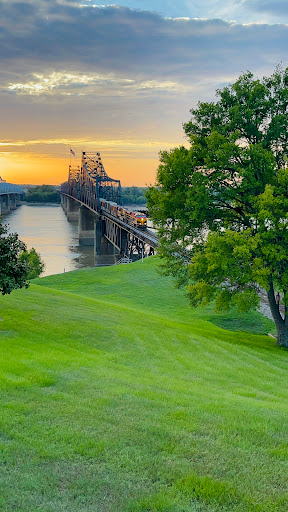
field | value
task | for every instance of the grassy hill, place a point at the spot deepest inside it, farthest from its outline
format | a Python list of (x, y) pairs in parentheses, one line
[(116, 396)]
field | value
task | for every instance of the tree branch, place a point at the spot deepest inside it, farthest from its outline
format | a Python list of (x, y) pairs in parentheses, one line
[(239, 214)]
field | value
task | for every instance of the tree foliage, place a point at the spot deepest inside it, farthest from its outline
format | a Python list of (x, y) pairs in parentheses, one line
[(133, 195), (17, 265), (34, 262), (221, 206), (42, 194)]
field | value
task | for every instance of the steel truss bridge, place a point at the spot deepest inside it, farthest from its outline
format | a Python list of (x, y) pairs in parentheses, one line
[(80, 198)]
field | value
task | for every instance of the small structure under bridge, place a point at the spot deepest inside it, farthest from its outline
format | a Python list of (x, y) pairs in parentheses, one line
[(80, 198)]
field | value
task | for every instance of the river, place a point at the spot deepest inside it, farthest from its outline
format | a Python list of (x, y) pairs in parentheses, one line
[(47, 229)]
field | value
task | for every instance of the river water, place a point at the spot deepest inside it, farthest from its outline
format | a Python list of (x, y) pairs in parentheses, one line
[(47, 229)]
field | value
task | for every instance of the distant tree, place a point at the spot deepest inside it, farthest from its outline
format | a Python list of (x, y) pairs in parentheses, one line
[(42, 194), (221, 206), (133, 195), (17, 265)]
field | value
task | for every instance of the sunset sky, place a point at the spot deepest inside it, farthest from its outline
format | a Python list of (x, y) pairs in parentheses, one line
[(121, 78)]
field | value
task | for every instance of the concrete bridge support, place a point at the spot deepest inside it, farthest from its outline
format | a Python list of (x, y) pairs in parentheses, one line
[(12, 202), (92, 233), (4, 204), (86, 226), (64, 200), (72, 209)]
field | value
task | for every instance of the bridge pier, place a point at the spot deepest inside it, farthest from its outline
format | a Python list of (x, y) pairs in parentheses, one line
[(72, 209), (91, 229), (12, 202), (4, 204), (64, 200), (86, 226)]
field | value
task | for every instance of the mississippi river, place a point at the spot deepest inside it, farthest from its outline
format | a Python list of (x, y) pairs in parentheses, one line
[(47, 230)]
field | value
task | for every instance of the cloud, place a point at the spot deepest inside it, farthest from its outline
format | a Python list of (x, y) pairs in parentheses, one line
[(136, 143), (240, 11), (62, 37), (76, 84), (119, 68), (86, 75), (275, 8)]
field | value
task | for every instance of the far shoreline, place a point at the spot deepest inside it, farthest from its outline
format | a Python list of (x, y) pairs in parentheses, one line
[(30, 203)]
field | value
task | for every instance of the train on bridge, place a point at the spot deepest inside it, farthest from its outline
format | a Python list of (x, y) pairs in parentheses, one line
[(96, 200), (135, 219)]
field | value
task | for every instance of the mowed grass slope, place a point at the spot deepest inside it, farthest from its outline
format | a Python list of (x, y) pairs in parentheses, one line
[(116, 396)]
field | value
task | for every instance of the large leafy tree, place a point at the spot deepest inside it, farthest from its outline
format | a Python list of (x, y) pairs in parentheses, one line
[(221, 205), (17, 264)]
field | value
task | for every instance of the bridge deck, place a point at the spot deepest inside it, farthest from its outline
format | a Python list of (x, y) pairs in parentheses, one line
[(10, 188), (146, 235)]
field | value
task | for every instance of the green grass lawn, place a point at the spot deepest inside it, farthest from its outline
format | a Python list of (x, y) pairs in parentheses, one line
[(117, 396)]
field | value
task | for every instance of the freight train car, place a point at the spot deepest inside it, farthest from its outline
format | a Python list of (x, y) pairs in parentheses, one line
[(135, 219)]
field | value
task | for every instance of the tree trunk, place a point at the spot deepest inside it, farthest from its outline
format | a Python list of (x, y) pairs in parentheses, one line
[(280, 322), (282, 336)]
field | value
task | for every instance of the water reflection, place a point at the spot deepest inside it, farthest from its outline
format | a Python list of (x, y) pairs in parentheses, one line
[(46, 228)]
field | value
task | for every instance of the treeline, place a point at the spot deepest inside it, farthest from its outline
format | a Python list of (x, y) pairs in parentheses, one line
[(49, 194), (42, 194), (133, 195)]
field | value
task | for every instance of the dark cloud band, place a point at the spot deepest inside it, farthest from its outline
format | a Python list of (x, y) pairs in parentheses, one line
[(62, 36)]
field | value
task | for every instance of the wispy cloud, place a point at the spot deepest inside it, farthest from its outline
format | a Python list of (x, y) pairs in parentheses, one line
[(78, 84), (125, 143)]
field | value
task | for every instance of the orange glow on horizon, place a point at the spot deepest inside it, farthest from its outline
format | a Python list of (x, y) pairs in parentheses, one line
[(31, 168)]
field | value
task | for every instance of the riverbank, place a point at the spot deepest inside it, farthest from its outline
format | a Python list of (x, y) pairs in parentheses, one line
[(30, 203)]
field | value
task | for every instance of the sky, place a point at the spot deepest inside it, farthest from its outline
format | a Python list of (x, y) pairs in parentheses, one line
[(120, 79)]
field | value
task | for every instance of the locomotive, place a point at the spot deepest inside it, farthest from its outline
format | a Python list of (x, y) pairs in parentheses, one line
[(135, 219)]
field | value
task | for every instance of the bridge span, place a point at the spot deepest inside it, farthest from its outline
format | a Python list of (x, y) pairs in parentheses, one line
[(82, 198), (10, 196)]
